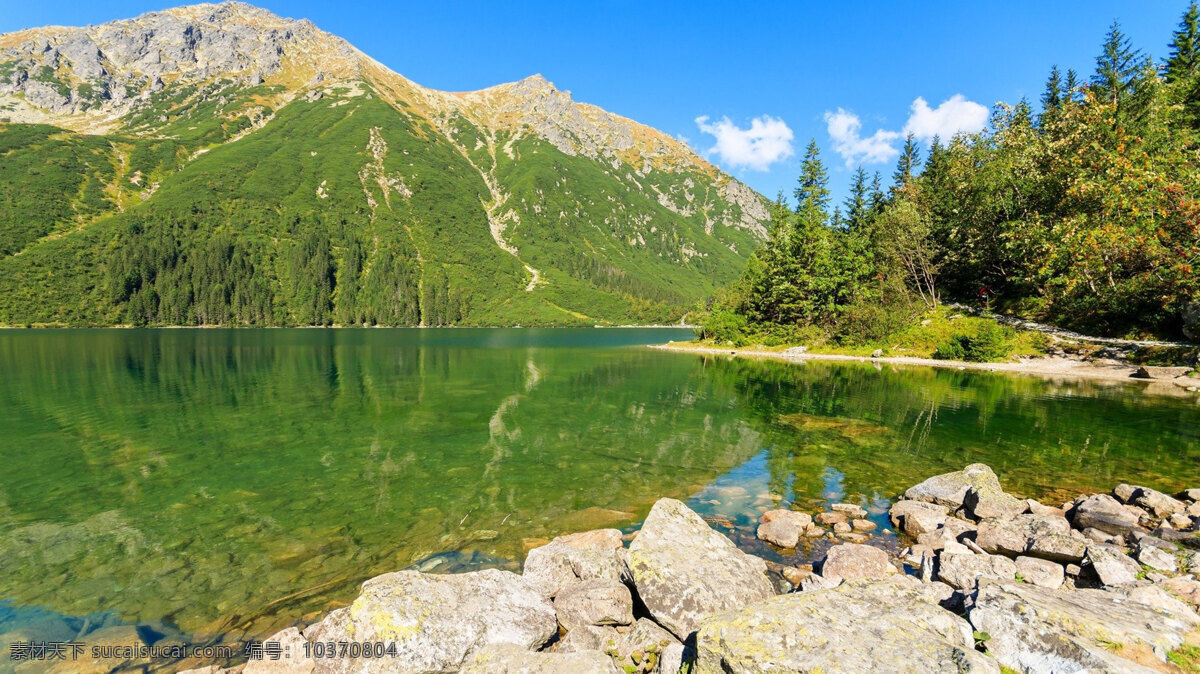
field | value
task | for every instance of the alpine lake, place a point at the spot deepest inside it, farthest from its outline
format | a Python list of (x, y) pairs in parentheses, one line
[(213, 486)]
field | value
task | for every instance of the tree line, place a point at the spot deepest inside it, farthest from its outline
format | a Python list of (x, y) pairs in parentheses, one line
[(1082, 213)]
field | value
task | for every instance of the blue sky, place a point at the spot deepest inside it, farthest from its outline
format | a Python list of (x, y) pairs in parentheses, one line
[(667, 64)]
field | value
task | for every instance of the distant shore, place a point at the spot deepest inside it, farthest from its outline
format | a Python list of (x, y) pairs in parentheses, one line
[(1048, 367)]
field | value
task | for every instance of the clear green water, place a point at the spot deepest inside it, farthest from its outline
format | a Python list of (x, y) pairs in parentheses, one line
[(220, 484)]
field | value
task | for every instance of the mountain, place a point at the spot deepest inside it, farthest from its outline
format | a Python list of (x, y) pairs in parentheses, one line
[(218, 164)]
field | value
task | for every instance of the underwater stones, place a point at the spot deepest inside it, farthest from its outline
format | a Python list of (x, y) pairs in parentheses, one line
[(783, 527), (594, 602), (860, 626), (571, 559), (853, 561), (852, 510), (684, 570), (437, 621)]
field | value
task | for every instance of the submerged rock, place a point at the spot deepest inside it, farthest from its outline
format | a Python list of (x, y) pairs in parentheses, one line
[(684, 571), (861, 626), (1034, 629), (437, 621), (783, 527)]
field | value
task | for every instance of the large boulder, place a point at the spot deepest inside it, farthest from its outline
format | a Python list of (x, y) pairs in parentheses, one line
[(437, 622), (988, 499), (1111, 565), (594, 602), (568, 560), (950, 489), (1157, 502), (901, 510), (1103, 512), (962, 571), (1040, 572), (853, 560), (1034, 629), (860, 626), (509, 659), (1015, 536), (293, 658), (684, 571)]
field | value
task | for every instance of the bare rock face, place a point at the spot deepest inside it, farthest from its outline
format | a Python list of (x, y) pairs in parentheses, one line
[(927, 516), (437, 621), (291, 660), (1014, 536), (1157, 558), (509, 659), (978, 480), (861, 626), (1103, 512), (855, 561), (1157, 502), (569, 560), (962, 571), (685, 571), (1033, 629), (594, 602)]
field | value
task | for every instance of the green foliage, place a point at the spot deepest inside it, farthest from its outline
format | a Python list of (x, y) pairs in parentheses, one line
[(989, 343)]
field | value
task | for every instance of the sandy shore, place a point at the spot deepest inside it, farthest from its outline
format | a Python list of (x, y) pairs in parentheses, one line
[(1038, 367)]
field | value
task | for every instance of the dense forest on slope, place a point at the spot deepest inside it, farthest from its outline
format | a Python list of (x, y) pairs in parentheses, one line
[(1083, 214), (333, 192)]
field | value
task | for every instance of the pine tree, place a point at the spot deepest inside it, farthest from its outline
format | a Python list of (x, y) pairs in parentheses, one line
[(812, 190), (1184, 60), (858, 203), (1052, 99), (877, 196), (1072, 86), (1117, 67), (910, 158)]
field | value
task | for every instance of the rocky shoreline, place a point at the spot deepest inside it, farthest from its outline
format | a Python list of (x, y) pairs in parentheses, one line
[(987, 582)]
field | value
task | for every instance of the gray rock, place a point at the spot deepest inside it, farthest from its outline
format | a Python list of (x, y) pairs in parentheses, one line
[(1040, 572), (671, 659), (815, 581), (852, 510), (1156, 558), (864, 526), (851, 560), (437, 621), (509, 659), (1180, 521), (1013, 536), (987, 499), (1191, 562), (1058, 548), (961, 572), (1112, 566), (594, 602), (1192, 495), (1184, 588), (569, 560), (588, 638), (929, 515), (1157, 502), (783, 527), (685, 571), (291, 660), (920, 521), (950, 489), (1124, 492), (828, 518), (1103, 512), (1038, 509), (1034, 629), (861, 626), (641, 646)]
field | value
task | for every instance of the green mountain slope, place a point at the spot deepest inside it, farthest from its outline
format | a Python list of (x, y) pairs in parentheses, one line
[(273, 175)]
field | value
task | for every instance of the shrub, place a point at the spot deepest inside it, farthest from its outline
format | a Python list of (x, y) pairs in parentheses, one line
[(990, 343), (724, 327)]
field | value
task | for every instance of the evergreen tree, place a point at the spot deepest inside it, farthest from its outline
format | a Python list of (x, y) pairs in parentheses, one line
[(1184, 60), (910, 158), (1117, 67), (812, 190), (1072, 86), (877, 196), (1052, 99), (858, 203)]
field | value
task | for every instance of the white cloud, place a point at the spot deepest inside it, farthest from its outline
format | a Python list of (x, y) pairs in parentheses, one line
[(953, 116), (845, 129), (768, 140)]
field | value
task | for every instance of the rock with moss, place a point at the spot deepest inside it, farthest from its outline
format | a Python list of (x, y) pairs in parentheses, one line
[(685, 571), (594, 602), (574, 558), (861, 626), (1034, 629), (437, 621), (1105, 513), (950, 489), (509, 659)]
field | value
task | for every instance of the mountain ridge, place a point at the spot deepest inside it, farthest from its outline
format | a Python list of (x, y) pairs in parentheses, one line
[(195, 80)]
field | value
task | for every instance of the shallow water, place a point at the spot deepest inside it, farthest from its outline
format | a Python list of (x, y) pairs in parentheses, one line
[(204, 485)]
